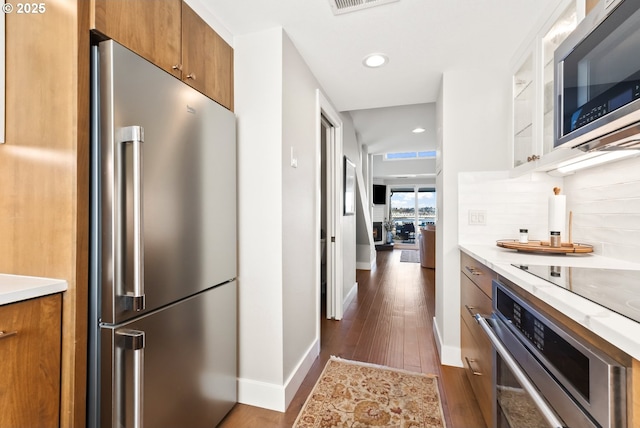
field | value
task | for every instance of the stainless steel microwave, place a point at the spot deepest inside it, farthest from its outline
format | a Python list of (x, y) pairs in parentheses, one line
[(597, 80)]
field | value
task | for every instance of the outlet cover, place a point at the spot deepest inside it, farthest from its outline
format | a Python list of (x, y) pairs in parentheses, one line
[(477, 217)]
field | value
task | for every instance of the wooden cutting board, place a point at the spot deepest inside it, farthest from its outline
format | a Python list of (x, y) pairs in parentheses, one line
[(543, 247)]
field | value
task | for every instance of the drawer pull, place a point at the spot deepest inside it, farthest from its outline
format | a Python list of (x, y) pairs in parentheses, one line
[(470, 310), (473, 270), (475, 371), (5, 334)]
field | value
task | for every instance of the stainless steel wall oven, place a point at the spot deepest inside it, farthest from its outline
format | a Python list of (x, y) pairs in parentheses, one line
[(546, 377)]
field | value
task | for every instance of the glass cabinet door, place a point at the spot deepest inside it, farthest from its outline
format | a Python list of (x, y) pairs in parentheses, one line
[(533, 87), (523, 104)]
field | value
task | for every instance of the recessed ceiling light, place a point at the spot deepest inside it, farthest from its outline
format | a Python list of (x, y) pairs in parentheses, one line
[(375, 60), (418, 130)]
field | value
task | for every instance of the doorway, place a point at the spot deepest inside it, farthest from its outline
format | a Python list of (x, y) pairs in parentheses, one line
[(325, 275), (330, 210)]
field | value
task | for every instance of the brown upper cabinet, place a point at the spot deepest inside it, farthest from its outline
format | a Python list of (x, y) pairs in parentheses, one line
[(206, 58), (171, 35), (152, 29)]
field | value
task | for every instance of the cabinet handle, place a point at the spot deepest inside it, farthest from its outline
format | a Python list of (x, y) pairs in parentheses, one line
[(5, 334), (470, 310), (475, 372), (533, 158), (191, 76), (177, 67), (473, 270)]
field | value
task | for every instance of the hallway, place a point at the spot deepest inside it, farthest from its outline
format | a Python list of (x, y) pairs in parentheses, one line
[(390, 322)]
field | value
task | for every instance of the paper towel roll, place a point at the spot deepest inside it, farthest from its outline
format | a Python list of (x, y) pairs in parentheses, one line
[(557, 215)]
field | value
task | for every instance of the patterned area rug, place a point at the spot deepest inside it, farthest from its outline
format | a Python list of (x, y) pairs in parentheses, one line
[(411, 256), (357, 395)]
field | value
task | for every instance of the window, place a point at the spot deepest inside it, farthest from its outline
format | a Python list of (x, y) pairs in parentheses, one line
[(411, 208), (410, 155), (426, 202)]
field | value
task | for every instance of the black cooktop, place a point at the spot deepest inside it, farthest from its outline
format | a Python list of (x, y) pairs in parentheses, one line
[(615, 289)]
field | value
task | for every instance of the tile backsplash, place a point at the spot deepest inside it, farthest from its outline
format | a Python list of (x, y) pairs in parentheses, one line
[(606, 208), (605, 202), (509, 204)]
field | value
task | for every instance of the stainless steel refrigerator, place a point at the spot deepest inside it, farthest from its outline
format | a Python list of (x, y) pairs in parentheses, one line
[(162, 324)]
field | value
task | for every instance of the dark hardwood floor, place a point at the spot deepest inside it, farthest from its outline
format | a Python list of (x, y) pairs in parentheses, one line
[(390, 322)]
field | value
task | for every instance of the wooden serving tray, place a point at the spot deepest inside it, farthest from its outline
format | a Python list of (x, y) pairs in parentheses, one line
[(543, 247)]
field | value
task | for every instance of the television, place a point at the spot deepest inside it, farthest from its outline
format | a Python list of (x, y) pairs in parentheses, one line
[(379, 194)]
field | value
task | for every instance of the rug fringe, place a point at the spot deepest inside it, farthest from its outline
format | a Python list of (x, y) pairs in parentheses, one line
[(379, 366)]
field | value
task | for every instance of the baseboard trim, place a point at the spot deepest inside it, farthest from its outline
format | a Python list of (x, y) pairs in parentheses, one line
[(352, 295), (449, 355), (364, 266), (436, 335), (277, 397), (261, 394), (364, 252), (297, 377)]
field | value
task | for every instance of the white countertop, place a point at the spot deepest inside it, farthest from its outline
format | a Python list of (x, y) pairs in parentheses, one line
[(14, 288), (618, 330)]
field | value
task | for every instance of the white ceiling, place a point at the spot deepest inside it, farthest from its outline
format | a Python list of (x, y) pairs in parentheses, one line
[(422, 38)]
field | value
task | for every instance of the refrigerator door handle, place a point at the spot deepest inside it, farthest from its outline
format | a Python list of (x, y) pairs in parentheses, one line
[(131, 340), (135, 301)]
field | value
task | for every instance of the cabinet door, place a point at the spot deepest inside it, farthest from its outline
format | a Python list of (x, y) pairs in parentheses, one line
[(533, 88), (477, 359), (207, 59), (523, 112), (149, 28), (30, 369), (476, 349)]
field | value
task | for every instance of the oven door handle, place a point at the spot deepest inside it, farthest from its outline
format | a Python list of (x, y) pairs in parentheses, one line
[(549, 414)]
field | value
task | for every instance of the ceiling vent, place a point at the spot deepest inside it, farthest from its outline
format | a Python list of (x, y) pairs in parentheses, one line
[(345, 6)]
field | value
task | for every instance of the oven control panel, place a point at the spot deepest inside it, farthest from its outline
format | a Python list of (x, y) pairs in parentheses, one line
[(531, 327)]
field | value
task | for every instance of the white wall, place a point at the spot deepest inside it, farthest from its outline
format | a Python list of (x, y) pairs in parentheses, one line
[(279, 218), (300, 232), (472, 110), (386, 168), (258, 106)]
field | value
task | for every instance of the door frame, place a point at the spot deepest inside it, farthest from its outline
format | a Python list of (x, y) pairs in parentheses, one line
[(334, 208)]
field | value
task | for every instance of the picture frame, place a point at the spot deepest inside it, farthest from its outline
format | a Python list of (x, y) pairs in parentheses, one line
[(349, 187)]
